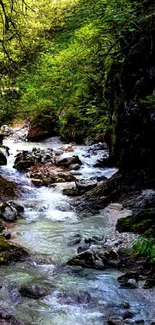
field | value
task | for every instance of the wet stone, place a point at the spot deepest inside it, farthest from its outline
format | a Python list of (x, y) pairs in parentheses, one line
[(6, 234), (81, 298), (34, 291)]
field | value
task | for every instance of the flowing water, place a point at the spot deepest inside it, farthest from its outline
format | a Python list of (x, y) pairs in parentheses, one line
[(76, 295)]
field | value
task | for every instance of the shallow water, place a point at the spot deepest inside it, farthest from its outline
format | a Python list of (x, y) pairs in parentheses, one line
[(76, 295)]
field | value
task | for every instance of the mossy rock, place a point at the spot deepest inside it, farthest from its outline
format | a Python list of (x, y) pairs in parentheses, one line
[(10, 252), (142, 222)]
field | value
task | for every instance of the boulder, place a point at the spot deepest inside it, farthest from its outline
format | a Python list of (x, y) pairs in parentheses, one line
[(26, 159), (98, 146), (97, 257), (67, 161), (6, 234), (34, 291), (10, 252), (67, 148), (10, 210), (130, 284), (85, 185), (127, 276), (3, 160), (7, 130), (142, 222), (71, 191), (129, 280)]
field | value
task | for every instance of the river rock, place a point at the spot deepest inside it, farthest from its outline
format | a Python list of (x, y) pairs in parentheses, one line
[(98, 146), (81, 298), (149, 283), (10, 210), (96, 257), (3, 159), (7, 130), (71, 191), (128, 275), (130, 284), (67, 148), (74, 167), (129, 280), (75, 240), (67, 161), (7, 319), (85, 185), (10, 252), (142, 222), (34, 291), (49, 174), (6, 234), (26, 159)]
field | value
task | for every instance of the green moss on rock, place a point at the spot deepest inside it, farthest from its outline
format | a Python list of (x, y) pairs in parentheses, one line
[(10, 252), (142, 222)]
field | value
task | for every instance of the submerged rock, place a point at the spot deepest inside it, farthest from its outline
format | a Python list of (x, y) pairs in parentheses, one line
[(7, 318), (81, 298), (34, 291)]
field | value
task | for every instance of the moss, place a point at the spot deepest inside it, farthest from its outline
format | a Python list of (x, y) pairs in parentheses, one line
[(141, 223), (10, 252), (5, 245)]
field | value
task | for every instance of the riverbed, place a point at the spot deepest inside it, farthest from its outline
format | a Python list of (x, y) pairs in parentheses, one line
[(76, 295)]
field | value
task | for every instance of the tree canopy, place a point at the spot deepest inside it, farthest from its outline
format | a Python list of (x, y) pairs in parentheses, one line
[(57, 59)]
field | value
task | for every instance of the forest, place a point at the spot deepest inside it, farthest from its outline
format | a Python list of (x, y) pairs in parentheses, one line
[(61, 62)]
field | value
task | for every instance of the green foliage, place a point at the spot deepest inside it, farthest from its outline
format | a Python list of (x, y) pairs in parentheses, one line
[(145, 247), (56, 58)]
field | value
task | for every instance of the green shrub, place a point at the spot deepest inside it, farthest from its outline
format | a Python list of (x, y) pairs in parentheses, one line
[(145, 247)]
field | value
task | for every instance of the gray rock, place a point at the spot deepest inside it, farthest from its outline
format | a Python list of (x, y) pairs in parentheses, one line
[(10, 210), (81, 298), (85, 185), (7, 130), (6, 234), (75, 240), (96, 257), (74, 166), (67, 161), (26, 159), (3, 159), (34, 291)]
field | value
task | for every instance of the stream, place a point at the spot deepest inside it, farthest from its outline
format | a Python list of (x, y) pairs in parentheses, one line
[(77, 295)]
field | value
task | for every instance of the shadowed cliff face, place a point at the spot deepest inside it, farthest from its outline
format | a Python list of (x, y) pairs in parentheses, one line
[(135, 129)]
